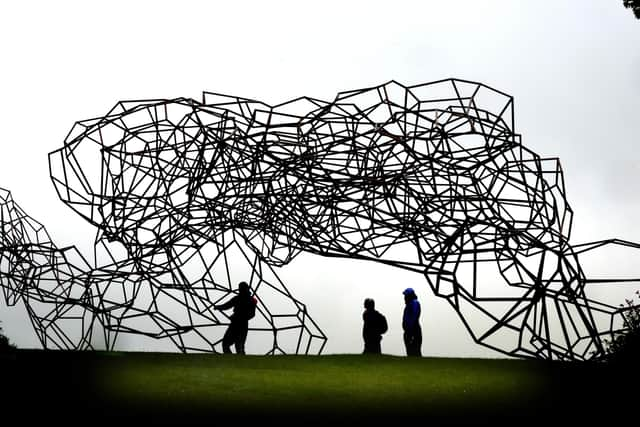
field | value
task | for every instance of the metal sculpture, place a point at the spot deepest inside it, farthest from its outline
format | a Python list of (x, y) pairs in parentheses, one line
[(431, 178)]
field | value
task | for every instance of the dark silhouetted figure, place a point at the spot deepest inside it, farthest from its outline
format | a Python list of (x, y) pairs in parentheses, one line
[(375, 324), (411, 323), (243, 306)]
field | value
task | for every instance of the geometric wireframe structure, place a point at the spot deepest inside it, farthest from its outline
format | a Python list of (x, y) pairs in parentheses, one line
[(70, 299), (430, 178)]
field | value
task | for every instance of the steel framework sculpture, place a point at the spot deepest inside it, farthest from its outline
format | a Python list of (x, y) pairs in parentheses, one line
[(431, 178)]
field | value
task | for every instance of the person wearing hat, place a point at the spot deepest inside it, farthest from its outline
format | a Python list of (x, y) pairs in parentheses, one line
[(411, 323)]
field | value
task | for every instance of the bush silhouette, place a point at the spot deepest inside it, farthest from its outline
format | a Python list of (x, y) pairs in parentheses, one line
[(5, 345), (624, 347)]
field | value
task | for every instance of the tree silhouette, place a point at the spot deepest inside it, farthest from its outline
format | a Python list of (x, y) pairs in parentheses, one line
[(5, 345), (634, 5), (625, 345)]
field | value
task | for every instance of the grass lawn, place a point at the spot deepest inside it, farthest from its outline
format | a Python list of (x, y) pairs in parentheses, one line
[(199, 388)]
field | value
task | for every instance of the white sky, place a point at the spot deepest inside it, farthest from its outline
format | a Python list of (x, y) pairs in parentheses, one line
[(573, 67)]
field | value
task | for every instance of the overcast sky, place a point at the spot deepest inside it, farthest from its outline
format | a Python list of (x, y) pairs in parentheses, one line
[(572, 66)]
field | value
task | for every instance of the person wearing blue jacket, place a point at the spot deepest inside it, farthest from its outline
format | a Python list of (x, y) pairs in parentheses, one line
[(411, 323)]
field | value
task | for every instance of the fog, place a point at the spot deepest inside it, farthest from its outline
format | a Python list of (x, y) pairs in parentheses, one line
[(573, 68)]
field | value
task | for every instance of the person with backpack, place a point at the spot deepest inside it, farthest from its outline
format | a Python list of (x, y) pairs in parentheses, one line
[(244, 309), (374, 326)]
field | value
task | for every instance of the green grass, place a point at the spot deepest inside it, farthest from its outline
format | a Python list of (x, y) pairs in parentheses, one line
[(310, 383), (205, 386)]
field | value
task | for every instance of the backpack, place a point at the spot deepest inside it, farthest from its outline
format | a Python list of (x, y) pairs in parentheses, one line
[(252, 307), (383, 323)]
